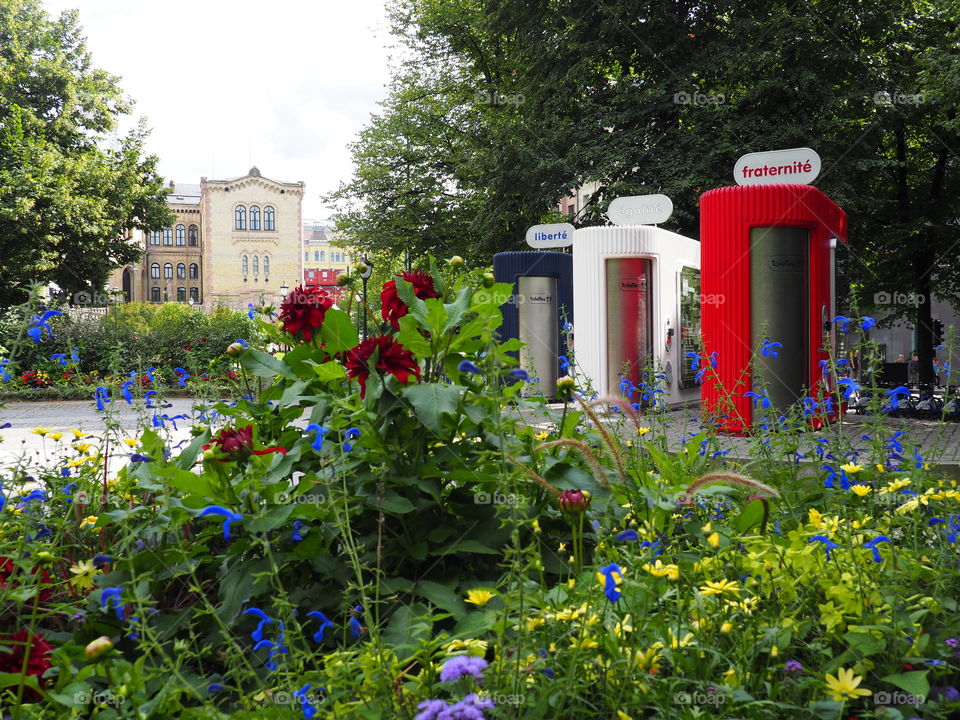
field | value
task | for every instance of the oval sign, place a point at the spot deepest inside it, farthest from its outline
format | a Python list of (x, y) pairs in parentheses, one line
[(640, 210), (553, 235), (796, 166)]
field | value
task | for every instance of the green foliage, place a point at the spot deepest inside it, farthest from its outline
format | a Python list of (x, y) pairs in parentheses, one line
[(70, 189)]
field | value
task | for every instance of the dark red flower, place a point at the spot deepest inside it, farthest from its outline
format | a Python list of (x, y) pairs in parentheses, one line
[(303, 310), (203, 340), (392, 307), (37, 664), (186, 347), (7, 568), (574, 501), (392, 357), (237, 443)]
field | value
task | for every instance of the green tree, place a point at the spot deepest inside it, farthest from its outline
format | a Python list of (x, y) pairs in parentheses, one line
[(70, 188)]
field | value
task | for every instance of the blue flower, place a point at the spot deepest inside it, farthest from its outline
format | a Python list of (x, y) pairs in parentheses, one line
[(850, 386), (148, 396), (809, 406), (324, 624), (295, 536), (356, 629), (75, 356), (761, 398), (214, 688), (100, 560), (309, 711), (564, 363), (139, 458), (127, 394), (41, 323), (867, 322), (917, 458), (173, 419), (627, 536), (257, 635), (828, 544), (695, 363), (243, 343), (519, 374), (843, 322), (111, 596), (769, 349), (60, 357), (713, 359), (468, 367), (184, 376), (102, 396), (317, 443), (872, 545), (250, 310), (895, 394), (229, 515), (610, 582)]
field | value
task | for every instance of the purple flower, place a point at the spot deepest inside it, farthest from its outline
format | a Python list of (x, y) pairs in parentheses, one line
[(462, 665), (430, 709), (793, 666)]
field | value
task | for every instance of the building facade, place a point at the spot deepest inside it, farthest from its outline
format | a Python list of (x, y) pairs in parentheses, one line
[(233, 242), (323, 260)]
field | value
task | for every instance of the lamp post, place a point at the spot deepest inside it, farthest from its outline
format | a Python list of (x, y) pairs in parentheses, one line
[(284, 291), (365, 275)]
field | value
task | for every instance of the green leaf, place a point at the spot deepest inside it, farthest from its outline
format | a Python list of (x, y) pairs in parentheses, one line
[(262, 364), (188, 457), (411, 337), (443, 597), (392, 502), (456, 310), (14, 679), (475, 624), (753, 515), (414, 304), (915, 682), (474, 546), (338, 333), (864, 643), (329, 371), (431, 401)]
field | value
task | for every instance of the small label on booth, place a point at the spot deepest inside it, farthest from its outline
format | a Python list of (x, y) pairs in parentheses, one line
[(552, 235), (786, 263), (640, 210), (543, 299), (637, 285), (796, 166)]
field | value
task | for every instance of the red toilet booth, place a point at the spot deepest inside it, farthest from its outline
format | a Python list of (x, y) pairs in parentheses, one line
[(767, 255)]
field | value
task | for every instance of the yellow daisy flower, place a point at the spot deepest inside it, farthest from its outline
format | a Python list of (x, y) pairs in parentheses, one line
[(55, 435), (642, 430), (861, 490), (41, 431), (658, 569), (480, 597), (533, 623), (720, 587), (541, 436), (131, 442), (845, 686), (851, 468), (88, 521), (77, 434), (85, 571)]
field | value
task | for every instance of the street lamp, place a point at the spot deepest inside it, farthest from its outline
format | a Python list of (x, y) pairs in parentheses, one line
[(365, 274), (284, 291)]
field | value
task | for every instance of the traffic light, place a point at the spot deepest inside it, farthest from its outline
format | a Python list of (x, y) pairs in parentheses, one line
[(937, 333)]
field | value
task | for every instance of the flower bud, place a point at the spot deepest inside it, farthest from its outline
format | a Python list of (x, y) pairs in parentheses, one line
[(456, 261), (234, 349), (98, 648), (44, 558), (344, 279), (574, 501), (488, 280), (565, 388)]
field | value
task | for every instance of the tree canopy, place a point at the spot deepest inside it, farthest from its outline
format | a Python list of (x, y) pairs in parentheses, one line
[(512, 104), (70, 188)]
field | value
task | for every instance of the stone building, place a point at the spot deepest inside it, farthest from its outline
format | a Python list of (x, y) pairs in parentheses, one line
[(234, 242), (323, 261)]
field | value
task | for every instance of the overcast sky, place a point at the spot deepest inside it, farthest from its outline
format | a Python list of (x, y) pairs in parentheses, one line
[(227, 84)]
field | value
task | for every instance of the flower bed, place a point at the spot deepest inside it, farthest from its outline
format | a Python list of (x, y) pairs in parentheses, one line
[(399, 527)]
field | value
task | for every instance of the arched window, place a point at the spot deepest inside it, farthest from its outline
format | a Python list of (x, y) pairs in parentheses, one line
[(266, 266), (154, 237), (256, 265), (254, 217), (316, 255), (181, 294), (168, 271), (154, 294), (240, 218), (181, 234), (194, 271), (195, 294), (323, 255), (155, 271), (181, 271), (193, 236), (168, 236), (306, 257), (246, 265), (269, 218)]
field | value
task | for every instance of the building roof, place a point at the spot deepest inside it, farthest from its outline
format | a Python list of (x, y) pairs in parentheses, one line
[(183, 194)]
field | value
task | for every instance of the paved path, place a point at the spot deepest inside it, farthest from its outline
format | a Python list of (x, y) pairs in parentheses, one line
[(937, 442)]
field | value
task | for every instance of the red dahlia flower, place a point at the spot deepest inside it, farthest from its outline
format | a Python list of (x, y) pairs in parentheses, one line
[(37, 664), (7, 568), (392, 307), (302, 311), (238, 443), (391, 356)]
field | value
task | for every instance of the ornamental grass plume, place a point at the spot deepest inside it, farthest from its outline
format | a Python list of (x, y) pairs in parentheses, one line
[(730, 478)]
